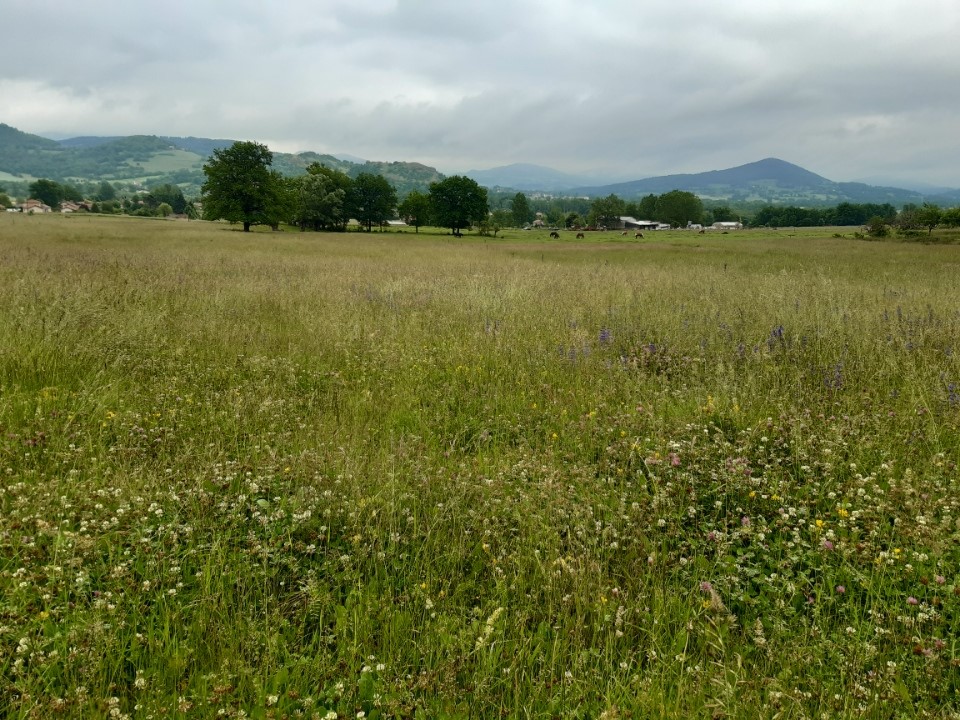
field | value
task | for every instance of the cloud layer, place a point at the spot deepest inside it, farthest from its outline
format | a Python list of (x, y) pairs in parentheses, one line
[(629, 89)]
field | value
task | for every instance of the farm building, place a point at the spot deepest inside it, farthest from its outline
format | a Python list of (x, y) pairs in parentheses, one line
[(34, 206), (628, 223), (727, 226)]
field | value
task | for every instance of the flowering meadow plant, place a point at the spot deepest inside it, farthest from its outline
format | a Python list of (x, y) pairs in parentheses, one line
[(384, 476)]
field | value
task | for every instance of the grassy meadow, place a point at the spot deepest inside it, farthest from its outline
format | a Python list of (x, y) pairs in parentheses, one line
[(281, 475)]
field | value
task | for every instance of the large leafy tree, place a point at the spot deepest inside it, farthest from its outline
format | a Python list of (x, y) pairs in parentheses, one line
[(318, 198), (606, 211), (457, 202), (647, 207), (49, 192), (415, 209), (679, 207), (106, 191), (239, 185), (372, 199)]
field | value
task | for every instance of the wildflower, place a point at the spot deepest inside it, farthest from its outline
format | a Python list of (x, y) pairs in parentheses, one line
[(912, 601), (940, 579), (841, 589), (827, 545), (745, 521)]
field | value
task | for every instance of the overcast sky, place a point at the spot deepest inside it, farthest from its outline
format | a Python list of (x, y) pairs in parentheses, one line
[(849, 89)]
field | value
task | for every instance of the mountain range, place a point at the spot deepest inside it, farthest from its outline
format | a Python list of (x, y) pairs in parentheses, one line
[(150, 160), (766, 181)]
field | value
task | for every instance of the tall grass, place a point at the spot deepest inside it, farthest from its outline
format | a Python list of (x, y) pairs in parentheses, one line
[(283, 474)]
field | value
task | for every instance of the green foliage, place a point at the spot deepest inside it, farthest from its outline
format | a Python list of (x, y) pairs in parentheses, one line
[(877, 227), (929, 216), (318, 199), (371, 200), (266, 476), (164, 210), (53, 193), (415, 209), (679, 208), (951, 217), (169, 194), (457, 202), (240, 187), (522, 213), (647, 208), (843, 214), (606, 211), (106, 191), (723, 213)]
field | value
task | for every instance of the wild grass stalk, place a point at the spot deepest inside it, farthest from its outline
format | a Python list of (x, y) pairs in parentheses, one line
[(283, 474)]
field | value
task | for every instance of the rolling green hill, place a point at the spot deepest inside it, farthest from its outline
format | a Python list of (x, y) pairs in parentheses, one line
[(150, 160)]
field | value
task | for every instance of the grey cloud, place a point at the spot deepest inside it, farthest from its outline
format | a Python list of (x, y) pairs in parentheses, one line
[(846, 89)]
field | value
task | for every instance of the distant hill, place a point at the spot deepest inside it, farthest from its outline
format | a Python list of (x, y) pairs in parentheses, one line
[(153, 160), (770, 180), (524, 176)]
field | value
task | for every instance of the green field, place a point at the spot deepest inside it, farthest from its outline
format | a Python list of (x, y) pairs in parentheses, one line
[(394, 476)]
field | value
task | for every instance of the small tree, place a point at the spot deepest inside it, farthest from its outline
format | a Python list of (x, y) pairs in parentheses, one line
[(165, 209), (415, 209), (877, 227), (500, 219), (929, 216)]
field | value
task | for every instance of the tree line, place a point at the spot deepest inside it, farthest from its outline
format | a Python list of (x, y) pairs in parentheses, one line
[(878, 219), (241, 187)]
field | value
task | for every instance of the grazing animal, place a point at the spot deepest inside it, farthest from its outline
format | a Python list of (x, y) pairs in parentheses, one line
[(623, 234), (579, 236), (702, 232), (555, 235), (638, 235)]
